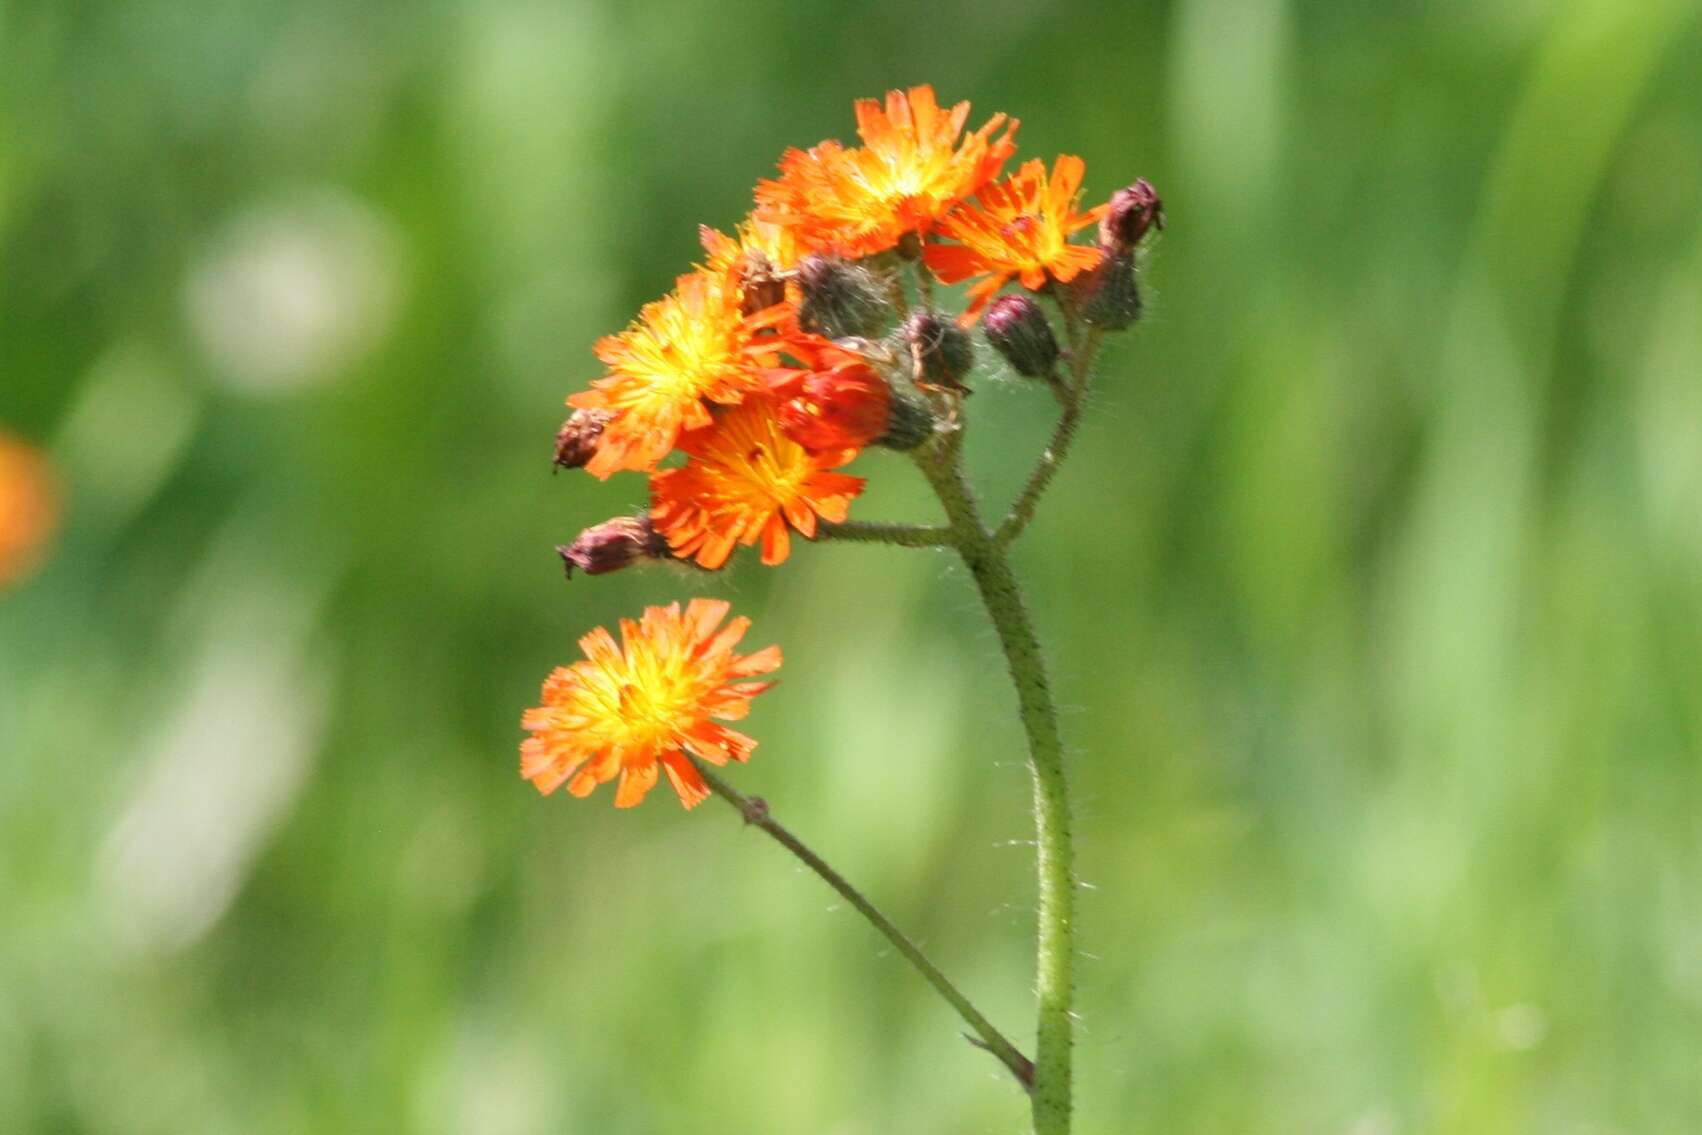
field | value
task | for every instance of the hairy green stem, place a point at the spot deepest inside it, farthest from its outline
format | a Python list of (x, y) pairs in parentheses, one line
[(755, 811), (904, 535), (1073, 398), (984, 555)]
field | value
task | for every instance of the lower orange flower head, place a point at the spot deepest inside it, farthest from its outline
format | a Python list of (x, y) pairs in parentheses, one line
[(29, 509), (1020, 227), (911, 169), (744, 481), (834, 401), (691, 347), (633, 710)]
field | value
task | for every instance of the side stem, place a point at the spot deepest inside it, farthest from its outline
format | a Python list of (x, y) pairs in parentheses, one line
[(755, 811), (984, 555)]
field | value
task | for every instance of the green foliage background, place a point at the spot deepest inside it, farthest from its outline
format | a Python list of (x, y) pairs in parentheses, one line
[(1374, 590)]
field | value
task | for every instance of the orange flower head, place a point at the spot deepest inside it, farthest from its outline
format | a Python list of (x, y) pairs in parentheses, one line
[(29, 509), (692, 346), (835, 401), (634, 710), (744, 481), (910, 171), (1018, 228)]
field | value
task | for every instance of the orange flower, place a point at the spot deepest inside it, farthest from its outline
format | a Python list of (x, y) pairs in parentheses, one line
[(757, 258), (635, 710), (836, 401), (1020, 228), (29, 509), (746, 480), (688, 347), (910, 170)]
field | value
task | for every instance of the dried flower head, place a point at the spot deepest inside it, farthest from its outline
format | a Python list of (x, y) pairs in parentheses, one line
[(1020, 227), (744, 481), (29, 509), (613, 545), (759, 258), (576, 441), (633, 710), (910, 171)]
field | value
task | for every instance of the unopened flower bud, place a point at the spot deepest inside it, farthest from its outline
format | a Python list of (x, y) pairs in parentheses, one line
[(1108, 297), (940, 351), (576, 441), (614, 544), (1131, 211), (840, 299), (909, 422), (1019, 331)]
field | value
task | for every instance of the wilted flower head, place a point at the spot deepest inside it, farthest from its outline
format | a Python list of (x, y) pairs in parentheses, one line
[(613, 545), (633, 710)]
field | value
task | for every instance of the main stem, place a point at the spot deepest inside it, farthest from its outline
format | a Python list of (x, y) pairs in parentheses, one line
[(985, 557), (755, 812)]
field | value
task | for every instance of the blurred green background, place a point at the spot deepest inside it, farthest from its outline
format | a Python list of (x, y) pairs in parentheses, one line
[(1374, 591)]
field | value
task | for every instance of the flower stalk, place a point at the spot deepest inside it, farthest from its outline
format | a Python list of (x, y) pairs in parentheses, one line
[(985, 1036), (984, 556)]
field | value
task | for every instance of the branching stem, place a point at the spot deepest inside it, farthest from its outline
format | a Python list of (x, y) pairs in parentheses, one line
[(985, 557), (755, 811)]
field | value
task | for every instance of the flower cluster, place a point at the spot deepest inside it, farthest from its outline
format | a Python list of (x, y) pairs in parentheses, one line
[(805, 336)]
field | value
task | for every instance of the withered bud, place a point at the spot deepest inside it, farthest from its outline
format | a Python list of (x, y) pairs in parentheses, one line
[(1108, 297), (761, 286), (1020, 331), (840, 299), (576, 441), (940, 351), (614, 544), (1131, 211), (909, 422)]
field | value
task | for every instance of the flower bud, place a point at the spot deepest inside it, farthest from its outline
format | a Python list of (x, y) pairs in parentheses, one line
[(1131, 211), (1108, 297), (940, 351), (576, 441), (1019, 331), (614, 544), (909, 422), (840, 299)]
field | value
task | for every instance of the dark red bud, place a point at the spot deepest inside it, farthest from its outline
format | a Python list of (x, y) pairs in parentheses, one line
[(1020, 331), (614, 544), (1131, 211)]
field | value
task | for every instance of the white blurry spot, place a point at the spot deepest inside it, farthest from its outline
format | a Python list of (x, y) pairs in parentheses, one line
[(1377, 1121), (1521, 1027), (491, 1082), (226, 763), (125, 434), (296, 291)]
